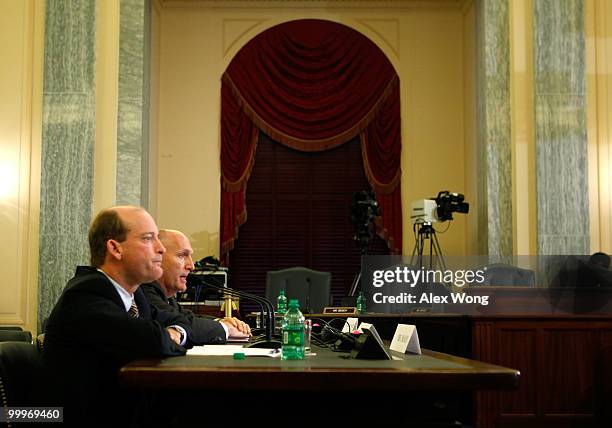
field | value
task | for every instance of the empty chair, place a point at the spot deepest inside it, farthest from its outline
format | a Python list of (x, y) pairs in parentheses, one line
[(583, 272), (312, 288), (10, 327), (19, 364), (15, 336), (503, 274)]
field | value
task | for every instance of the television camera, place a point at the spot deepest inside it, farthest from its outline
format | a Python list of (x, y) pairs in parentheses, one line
[(438, 209), (364, 211)]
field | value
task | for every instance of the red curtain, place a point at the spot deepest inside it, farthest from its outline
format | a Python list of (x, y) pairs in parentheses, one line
[(311, 85)]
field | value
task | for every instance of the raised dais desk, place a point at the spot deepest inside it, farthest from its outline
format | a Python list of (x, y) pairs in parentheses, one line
[(421, 389), (327, 371)]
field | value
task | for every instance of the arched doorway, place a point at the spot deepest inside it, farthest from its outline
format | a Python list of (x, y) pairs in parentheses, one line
[(311, 85)]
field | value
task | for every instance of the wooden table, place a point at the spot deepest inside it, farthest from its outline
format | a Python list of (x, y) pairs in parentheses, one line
[(428, 386), (327, 371)]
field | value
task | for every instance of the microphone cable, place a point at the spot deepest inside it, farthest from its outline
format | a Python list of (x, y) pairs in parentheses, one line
[(265, 304), (329, 336)]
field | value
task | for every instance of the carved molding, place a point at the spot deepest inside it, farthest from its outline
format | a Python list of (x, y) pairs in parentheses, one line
[(328, 4), (387, 30), (235, 29)]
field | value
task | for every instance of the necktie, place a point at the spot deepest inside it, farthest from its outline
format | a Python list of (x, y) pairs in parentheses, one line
[(133, 310)]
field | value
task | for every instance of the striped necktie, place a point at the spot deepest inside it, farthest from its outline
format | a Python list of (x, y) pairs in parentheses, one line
[(133, 312)]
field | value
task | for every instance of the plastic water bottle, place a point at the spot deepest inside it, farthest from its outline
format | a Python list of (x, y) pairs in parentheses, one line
[(281, 302), (293, 333), (361, 303)]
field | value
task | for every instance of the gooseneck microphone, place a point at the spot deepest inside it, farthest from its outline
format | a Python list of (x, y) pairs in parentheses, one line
[(307, 309), (265, 304)]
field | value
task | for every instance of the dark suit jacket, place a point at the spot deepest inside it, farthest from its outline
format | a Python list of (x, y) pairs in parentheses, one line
[(89, 336), (203, 330)]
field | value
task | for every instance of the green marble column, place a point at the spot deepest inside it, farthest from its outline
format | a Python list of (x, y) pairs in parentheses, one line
[(560, 127), (494, 128), (67, 144), (132, 124)]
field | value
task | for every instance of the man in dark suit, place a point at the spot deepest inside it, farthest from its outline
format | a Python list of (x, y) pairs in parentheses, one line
[(103, 320), (177, 263)]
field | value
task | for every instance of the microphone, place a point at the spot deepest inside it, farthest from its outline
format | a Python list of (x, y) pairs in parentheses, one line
[(220, 286), (307, 307), (265, 304), (217, 285)]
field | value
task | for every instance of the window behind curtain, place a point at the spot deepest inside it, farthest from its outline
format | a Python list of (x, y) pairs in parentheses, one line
[(298, 206)]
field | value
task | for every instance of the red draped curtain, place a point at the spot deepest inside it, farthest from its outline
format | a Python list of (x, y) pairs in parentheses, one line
[(311, 85)]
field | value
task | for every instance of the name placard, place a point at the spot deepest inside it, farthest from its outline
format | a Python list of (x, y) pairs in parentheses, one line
[(406, 339), (350, 325), (348, 310)]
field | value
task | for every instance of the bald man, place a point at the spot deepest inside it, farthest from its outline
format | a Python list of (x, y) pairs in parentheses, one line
[(103, 320), (177, 263)]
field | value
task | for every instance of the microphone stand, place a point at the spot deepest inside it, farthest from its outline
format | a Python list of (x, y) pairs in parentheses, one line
[(307, 309), (268, 342)]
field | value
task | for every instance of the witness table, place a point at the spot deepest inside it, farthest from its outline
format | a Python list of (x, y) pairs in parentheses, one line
[(327, 371), (415, 390)]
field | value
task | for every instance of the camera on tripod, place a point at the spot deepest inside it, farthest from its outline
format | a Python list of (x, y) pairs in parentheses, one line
[(438, 209), (364, 211)]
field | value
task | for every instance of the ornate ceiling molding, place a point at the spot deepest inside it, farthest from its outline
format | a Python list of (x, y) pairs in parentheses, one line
[(328, 4)]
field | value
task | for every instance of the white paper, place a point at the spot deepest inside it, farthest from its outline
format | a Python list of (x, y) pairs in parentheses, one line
[(225, 350), (364, 325), (406, 339), (350, 325)]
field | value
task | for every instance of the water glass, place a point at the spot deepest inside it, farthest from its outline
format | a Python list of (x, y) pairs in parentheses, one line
[(307, 334)]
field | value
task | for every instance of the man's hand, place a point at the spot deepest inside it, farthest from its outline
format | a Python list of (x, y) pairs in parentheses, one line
[(235, 327), (175, 335)]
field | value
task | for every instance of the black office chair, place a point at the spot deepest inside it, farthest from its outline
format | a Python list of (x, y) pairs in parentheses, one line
[(312, 288), (592, 274), (19, 365), (502, 274), (15, 336)]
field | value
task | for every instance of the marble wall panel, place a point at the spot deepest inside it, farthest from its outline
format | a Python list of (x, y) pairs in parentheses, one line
[(560, 122), (67, 144), (494, 123), (132, 108)]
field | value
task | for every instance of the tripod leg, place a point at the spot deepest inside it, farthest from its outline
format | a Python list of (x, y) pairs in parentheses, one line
[(414, 251), (439, 252), (421, 248)]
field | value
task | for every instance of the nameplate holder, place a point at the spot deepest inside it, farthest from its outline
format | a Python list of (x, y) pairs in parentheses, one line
[(344, 310), (364, 326), (406, 339), (369, 346), (350, 325)]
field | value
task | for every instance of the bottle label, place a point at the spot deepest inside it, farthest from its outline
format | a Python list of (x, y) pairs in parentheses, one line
[(293, 337)]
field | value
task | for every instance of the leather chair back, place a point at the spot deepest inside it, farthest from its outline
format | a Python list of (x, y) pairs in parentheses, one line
[(15, 336), (19, 364), (312, 288), (502, 274)]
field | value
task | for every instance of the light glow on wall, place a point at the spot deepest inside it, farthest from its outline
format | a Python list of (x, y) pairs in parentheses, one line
[(8, 180)]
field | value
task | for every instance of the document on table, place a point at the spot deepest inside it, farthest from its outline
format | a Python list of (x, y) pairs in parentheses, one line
[(239, 339), (230, 350)]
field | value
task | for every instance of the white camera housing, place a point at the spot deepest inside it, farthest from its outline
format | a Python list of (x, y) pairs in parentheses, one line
[(424, 211)]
